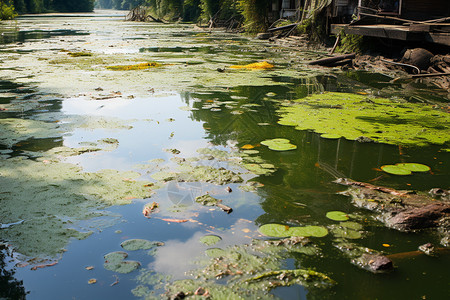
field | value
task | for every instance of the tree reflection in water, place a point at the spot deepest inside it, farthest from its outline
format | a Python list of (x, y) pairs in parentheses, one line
[(10, 287)]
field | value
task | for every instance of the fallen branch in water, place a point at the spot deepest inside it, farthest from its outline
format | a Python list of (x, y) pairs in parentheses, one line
[(44, 266), (349, 182)]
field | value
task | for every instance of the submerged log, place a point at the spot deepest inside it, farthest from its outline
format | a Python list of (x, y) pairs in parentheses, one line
[(330, 60), (418, 218), (401, 210)]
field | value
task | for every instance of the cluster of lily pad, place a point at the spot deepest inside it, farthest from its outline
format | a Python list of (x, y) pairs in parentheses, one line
[(405, 168), (116, 261), (279, 144)]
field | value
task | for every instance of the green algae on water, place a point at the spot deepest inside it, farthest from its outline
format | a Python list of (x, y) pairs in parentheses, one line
[(141, 66), (139, 244), (52, 196), (248, 271), (381, 120)]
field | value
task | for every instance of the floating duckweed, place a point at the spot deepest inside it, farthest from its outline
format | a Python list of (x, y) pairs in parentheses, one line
[(78, 54), (215, 252), (139, 244), (141, 66), (382, 120), (255, 66)]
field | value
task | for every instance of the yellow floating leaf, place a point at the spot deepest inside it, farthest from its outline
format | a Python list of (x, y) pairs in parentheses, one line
[(255, 66), (386, 245), (92, 281), (141, 66), (246, 230), (89, 268), (247, 147)]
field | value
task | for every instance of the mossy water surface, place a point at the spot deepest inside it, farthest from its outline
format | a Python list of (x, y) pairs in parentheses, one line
[(382, 120)]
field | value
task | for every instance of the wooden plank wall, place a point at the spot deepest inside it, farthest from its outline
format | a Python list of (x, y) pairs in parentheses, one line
[(425, 9)]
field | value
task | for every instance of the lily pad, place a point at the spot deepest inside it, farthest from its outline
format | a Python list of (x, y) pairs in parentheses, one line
[(346, 233), (115, 261), (275, 230), (414, 167), (124, 267), (395, 170), (351, 225), (206, 200), (278, 230), (315, 231), (115, 257), (337, 216), (275, 141), (330, 136), (210, 239), (279, 144), (139, 244)]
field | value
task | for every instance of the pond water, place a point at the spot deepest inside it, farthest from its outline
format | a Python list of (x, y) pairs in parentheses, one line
[(60, 209)]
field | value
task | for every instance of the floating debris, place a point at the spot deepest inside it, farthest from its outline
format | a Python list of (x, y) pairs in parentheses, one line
[(141, 66), (255, 66)]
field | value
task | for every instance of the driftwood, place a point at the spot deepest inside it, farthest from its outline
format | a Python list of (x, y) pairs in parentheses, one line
[(225, 208), (139, 14), (418, 218), (401, 210), (330, 60), (338, 39), (349, 182)]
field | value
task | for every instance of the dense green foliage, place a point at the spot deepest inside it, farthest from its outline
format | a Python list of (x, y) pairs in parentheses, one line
[(253, 11), (255, 14), (6, 10), (39, 6)]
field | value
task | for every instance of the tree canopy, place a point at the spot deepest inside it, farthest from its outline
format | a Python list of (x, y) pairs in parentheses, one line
[(39, 6)]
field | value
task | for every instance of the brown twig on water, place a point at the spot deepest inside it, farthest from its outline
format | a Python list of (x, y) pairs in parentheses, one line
[(115, 282)]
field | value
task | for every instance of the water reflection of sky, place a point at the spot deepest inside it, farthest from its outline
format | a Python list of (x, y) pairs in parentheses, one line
[(157, 122)]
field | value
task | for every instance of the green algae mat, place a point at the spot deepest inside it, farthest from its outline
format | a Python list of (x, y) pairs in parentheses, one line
[(379, 119)]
